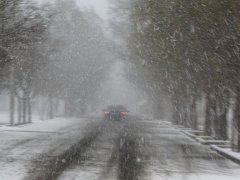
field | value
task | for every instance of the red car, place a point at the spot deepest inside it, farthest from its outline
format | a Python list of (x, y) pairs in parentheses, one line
[(116, 112)]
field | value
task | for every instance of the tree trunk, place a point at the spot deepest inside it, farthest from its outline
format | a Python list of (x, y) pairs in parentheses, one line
[(29, 110), (193, 113), (223, 124), (188, 115), (83, 106), (213, 112), (208, 123), (69, 107), (56, 107), (66, 107), (19, 110), (176, 112), (24, 107), (184, 114), (50, 102), (12, 94), (221, 121), (43, 108), (236, 123), (24, 110)]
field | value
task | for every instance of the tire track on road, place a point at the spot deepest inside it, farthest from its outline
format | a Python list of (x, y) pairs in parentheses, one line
[(50, 168)]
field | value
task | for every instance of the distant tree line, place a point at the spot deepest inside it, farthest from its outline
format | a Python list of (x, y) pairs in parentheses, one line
[(190, 50), (54, 52)]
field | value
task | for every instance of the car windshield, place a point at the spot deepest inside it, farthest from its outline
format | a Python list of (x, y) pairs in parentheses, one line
[(119, 89), (116, 108)]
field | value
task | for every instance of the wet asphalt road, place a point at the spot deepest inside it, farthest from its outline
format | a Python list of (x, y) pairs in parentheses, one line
[(135, 150)]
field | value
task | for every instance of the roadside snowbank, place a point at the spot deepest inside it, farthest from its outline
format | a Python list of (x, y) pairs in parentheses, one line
[(227, 152), (221, 146)]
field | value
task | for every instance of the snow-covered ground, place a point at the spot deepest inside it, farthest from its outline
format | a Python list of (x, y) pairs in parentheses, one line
[(223, 147), (193, 176), (227, 152), (21, 145), (4, 118), (170, 154)]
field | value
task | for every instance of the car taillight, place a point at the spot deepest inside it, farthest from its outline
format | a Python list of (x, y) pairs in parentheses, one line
[(124, 113), (106, 113)]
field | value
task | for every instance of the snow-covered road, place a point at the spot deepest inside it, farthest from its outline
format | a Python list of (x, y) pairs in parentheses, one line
[(80, 149), (149, 150)]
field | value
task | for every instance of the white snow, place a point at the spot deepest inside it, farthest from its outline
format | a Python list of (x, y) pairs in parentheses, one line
[(4, 118), (193, 176), (227, 151), (20, 145)]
